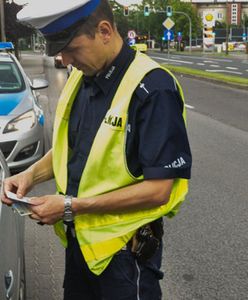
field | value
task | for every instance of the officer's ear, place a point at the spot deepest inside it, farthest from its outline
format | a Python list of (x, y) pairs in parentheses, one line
[(105, 31)]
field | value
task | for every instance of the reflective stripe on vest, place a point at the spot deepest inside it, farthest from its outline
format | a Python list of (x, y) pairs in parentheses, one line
[(100, 236)]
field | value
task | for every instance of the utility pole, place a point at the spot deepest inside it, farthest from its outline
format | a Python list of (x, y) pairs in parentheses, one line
[(190, 24), (190, 27), (137, 21), (227, 28), (2, 22)]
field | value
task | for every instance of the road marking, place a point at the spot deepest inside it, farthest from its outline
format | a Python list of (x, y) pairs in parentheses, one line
[(189, 106), (166, 59), (174, 56), (222, 60), (224, 71), (201, 58), (231, 68), (176, 63)]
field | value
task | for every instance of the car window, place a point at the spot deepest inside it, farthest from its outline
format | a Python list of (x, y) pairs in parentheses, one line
[(11, 80)]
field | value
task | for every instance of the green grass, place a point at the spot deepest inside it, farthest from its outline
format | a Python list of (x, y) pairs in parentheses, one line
[(228, 79)]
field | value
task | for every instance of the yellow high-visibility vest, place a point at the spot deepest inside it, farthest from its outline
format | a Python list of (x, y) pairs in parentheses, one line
[(100, 236)]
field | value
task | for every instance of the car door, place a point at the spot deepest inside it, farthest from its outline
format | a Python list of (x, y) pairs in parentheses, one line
[(11, 247)]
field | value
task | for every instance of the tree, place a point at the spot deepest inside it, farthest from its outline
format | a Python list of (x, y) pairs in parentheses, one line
[(121, 20), (182, 22), (245, 20), (152, 25), (220, 25), (14, 30)]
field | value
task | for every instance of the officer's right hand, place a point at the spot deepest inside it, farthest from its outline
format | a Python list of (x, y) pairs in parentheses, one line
[(20, 184)]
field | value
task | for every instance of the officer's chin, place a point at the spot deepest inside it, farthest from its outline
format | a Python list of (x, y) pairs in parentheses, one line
[(85, 70), (88, 72)]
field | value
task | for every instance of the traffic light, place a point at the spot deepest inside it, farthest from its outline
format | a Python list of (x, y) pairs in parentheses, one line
[(146, 11), (126, 11), (169, 11)]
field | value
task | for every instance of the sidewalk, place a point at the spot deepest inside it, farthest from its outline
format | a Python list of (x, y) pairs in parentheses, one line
[(242, 56)]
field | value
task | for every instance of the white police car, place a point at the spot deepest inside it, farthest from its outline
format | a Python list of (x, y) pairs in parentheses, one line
[(12, 265), (21, 116)]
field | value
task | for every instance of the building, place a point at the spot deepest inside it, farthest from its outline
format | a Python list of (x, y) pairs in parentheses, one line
[(231, 10)]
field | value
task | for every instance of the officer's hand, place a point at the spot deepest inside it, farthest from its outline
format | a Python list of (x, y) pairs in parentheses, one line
[(47, 209), (20, 184)]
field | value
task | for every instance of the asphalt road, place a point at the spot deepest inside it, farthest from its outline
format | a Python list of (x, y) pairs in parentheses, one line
[(206, 244), (219, 102), (231, 65)]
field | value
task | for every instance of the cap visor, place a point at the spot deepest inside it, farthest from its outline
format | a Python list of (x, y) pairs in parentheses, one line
[(55, 46)]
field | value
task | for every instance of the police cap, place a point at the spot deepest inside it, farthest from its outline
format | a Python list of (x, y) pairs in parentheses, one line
[(58, 21)]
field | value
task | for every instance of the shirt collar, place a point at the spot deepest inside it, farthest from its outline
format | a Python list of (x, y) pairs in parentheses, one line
[(106, 80)]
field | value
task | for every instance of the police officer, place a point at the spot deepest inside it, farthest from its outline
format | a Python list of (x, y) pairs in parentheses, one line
[(120, 155)]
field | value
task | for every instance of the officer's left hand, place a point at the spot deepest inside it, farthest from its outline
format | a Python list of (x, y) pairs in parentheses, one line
[(47, 209)]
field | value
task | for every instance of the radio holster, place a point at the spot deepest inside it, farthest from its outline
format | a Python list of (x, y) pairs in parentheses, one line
[(147, 240)]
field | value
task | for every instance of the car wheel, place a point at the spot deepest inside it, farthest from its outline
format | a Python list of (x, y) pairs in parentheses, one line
[(22, 288)]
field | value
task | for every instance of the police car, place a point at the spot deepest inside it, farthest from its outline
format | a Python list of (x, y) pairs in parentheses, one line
[(21, 116), (12, 266)]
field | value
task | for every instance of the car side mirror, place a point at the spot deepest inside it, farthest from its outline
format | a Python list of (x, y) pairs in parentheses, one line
[(39, 84)]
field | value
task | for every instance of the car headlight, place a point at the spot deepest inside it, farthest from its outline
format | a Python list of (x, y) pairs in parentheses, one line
[(22, 123)]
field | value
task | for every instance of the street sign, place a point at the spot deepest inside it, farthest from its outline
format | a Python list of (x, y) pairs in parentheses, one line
[(244, 36), (131, 34), (168, 23), (168, 35), (131, 42)]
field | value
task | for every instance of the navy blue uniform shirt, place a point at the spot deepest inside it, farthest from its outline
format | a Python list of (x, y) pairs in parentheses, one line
[(157, 142)]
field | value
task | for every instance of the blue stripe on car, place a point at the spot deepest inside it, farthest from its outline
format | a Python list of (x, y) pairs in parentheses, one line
[(8, 102), (41, 120)]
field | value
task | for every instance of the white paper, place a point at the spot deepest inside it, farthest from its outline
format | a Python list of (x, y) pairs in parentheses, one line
[(13, 197)]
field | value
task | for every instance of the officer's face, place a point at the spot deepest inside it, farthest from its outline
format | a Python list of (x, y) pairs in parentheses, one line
[(87, 54)]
